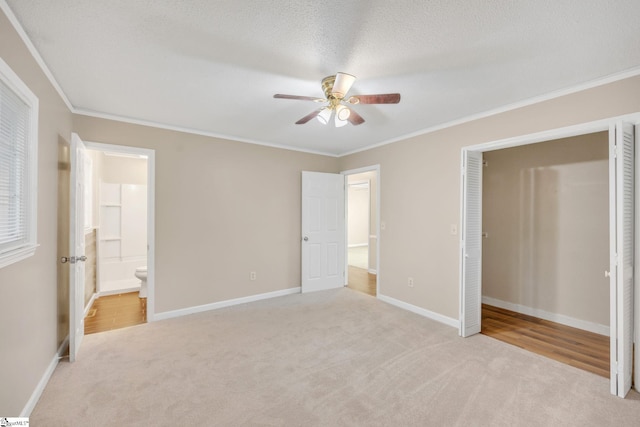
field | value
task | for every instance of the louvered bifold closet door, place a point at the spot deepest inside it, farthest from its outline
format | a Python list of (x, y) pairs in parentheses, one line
[(622, 307), (471, 244), (14, 157)]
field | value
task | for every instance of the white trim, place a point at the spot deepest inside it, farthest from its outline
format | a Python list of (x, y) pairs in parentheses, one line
[(27, 247), (17, 255), (42, 384), (151, 213), (492, 112), (34, 52), (358, 245), (227, 303), (612, 78), (454, 323), (190, 131), (373, 271), (596, 328), (119, 291)]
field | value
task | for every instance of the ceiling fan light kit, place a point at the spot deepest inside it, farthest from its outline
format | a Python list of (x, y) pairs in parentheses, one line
[(335, 89), (325, 115)]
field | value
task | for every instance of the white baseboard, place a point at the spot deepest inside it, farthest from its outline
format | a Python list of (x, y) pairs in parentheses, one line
[(358, 245), (372, 271), (35, 396), (455, 323), (546, 315), (119, 291), (222, 304)]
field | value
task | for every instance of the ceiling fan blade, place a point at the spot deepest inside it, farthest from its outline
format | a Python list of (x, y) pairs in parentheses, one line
[(303, 98), (309, 116), (355, 118), (384, 98), (342, 84)]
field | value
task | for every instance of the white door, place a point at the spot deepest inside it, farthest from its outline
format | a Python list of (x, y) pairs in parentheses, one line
[(471, 244), (323, 231), (76, 247), (621, 193)]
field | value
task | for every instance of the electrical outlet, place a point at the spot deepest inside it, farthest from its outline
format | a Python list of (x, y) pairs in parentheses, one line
[(410, 282), (252, 275)]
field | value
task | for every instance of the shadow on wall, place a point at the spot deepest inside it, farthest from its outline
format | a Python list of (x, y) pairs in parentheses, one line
[(538, 236), (545, 212)]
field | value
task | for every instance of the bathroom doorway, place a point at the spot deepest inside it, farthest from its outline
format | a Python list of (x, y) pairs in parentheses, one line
[(119, 250), (362, 226)]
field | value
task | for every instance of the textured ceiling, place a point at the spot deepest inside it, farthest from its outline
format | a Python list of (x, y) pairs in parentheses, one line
[(213, 66)]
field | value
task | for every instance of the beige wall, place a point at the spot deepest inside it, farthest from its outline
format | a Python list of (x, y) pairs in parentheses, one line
[(123, 170), (32, 324), (546, 212), (223, 209), (420, 189)]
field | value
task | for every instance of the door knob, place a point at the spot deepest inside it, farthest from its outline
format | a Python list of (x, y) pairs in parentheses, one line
[(73, 259), (306, 239)]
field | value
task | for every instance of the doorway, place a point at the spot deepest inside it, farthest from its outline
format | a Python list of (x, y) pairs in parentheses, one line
[(119, 218), (362, 204), (621, 237), (542, 257), (116, 201)]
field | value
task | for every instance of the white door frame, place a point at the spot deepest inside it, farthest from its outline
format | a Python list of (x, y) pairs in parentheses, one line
[(566, 132), (76, 245), (151, 212), (346, 173)]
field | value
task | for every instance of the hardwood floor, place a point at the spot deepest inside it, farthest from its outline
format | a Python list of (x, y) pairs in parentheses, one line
[(361, 280), (575, 347), (115, 312)]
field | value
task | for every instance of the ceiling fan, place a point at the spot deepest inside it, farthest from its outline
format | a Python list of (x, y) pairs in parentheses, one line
[(335, 89)]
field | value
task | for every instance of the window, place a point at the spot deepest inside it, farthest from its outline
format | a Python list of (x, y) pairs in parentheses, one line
[(18, 167)]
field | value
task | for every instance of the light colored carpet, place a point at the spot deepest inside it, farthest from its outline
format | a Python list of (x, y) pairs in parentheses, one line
[(358, 257), (333, 358)]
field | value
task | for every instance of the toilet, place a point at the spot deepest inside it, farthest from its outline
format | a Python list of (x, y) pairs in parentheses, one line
[(141, 273)]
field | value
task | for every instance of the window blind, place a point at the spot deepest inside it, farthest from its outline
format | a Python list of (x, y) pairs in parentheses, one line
[(14, 161)]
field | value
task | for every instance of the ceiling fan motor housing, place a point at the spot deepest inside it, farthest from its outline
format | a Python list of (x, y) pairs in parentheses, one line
[(327, 86)]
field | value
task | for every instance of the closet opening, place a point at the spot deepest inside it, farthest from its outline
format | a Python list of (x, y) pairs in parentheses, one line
[(545, 247), (543, 232)]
